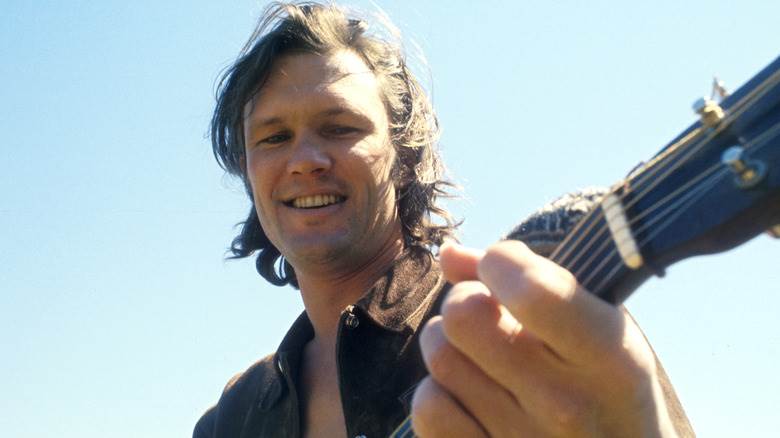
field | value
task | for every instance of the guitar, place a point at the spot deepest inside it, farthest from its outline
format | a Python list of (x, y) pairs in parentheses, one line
[(712, 188)]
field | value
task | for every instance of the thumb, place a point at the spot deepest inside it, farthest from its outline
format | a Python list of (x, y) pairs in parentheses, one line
[(458, 262)]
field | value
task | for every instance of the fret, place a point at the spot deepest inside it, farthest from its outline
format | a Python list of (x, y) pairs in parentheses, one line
[(592, 256)]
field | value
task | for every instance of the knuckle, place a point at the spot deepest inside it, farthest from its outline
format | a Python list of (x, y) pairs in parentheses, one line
[(567, 279), (551, 281), (440, 357), (441, 363), (467, 299), (505, 265), (526, 269), (509, 254), (569, 415), (498, 257)]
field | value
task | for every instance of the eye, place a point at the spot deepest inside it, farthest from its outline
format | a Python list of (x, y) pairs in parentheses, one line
[(274, 140), (341, 130)]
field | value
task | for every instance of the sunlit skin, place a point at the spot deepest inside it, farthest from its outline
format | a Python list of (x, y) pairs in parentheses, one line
[(319, 127), (521, 350)]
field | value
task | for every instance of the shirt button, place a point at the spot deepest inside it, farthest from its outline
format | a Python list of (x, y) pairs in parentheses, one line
[(351, 320)]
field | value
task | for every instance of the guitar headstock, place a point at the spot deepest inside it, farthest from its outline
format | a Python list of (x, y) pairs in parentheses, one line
[(712, 188), (717, 184)]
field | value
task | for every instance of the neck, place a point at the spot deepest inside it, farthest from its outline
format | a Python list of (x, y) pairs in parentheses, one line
[(326, 293)]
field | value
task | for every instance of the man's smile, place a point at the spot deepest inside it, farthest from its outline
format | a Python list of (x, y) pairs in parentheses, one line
[(315, 201)]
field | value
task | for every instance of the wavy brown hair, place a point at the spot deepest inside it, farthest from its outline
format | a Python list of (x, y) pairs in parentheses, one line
[(418, 173)]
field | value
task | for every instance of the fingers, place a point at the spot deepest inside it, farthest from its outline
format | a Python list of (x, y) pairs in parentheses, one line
[(436, 414), (478, 395), (549, 302), (546, 387), (458, 262), (532, 347)]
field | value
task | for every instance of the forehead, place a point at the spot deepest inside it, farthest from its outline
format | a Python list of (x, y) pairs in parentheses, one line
[(307, 81)]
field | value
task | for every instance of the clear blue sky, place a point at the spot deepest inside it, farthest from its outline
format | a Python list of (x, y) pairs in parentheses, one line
[(119, 316)]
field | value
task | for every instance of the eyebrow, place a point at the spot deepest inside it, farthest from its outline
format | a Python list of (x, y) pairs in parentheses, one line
[(266, 122), (334, 111), (349, 111)]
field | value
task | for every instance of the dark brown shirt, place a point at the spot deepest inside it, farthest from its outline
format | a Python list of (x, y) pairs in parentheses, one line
[(378, 358)]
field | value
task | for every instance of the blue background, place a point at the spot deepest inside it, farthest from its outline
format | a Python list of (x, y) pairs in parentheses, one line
[(118, 314)]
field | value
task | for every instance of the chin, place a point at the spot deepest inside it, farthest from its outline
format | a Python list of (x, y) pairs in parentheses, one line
[(324, 251)]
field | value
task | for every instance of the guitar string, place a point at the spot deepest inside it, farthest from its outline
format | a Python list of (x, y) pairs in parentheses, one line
[(736, 110), (661, 203), (407, 432), (760, 142), (754, 145), (639, 195), (405, 428), (739, 107), (613, 272), (677, 213), (649, 210), (594, 271), (693, 196), (567, 247)]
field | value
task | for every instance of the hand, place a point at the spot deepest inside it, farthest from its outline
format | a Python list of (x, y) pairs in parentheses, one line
[(520, 349)]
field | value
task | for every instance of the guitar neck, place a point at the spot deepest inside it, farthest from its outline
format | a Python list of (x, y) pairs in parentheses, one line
[(592, 256)]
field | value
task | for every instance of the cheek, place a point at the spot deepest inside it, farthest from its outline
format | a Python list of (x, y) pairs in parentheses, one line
[(259, 175), (379, 170), (379, 159)]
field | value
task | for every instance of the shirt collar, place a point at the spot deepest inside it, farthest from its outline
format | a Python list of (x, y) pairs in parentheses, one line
[(397, 301), (400, 299)]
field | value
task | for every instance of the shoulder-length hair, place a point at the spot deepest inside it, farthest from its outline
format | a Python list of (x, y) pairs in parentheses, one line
[(418, 173)]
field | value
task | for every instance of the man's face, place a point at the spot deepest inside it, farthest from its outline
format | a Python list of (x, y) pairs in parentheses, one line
[(319, 160)]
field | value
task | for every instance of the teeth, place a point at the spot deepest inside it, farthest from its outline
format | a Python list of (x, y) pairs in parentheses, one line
[(315, 201)]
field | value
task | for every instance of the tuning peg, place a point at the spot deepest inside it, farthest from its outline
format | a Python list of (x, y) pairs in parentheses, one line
[(718, 89), (748, 172), (774, 231), (711, 113)]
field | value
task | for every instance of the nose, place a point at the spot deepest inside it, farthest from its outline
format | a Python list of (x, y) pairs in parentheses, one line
[(308, 157)]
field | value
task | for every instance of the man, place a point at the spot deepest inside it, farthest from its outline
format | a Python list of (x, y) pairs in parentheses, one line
[(335, 141)]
